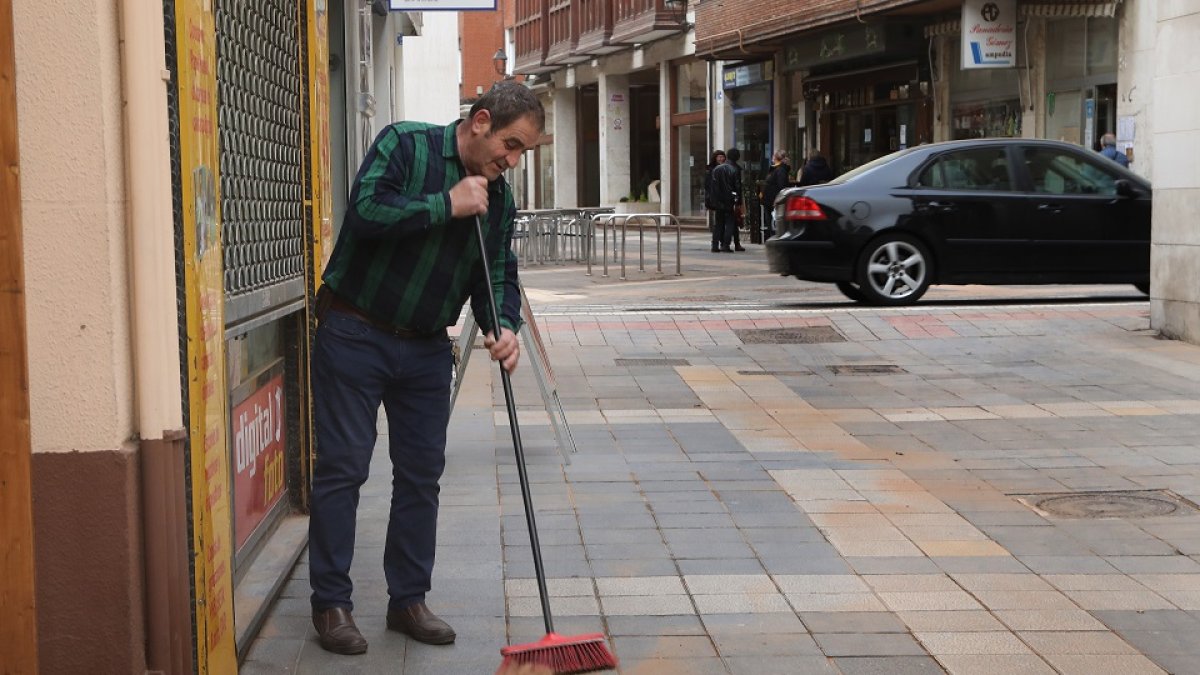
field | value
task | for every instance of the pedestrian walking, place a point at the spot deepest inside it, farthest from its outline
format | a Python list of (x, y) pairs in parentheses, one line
[(710, 208), (1109, 149), (404, 264)]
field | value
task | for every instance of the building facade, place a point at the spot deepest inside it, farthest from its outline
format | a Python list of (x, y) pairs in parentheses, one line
[(860, 79), (184, 168), (626, 103)]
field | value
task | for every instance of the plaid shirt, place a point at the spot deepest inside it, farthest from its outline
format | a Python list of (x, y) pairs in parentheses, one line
[(400, 258)]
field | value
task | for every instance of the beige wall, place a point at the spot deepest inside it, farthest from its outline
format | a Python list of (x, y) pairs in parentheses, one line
[(69, 103), (1175, 256), (1135, 79)]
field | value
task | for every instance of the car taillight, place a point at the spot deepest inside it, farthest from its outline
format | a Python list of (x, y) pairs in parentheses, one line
[(803, 208)]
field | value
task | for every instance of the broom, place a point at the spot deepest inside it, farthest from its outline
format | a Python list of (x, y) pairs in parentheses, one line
[(562, 654)]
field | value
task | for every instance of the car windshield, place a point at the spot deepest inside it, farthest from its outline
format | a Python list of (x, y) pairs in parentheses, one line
[(868, 167)]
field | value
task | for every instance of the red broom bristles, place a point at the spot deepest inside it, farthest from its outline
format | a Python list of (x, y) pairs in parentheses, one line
[(563, 654)]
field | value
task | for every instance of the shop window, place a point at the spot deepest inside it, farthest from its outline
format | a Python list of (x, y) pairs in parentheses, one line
[(999, 119), (979, 169), (1064, 116)]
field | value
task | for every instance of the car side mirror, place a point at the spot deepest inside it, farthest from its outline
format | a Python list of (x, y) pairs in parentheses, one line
[(1126, 188)]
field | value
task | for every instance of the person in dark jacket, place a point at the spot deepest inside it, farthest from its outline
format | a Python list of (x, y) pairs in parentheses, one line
[(727, 198), (777, 179), (718, 158), (816, 170)]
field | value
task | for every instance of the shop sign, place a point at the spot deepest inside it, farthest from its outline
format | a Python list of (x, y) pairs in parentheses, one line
[(204, 292), (989, 34), (836, 45), (435, 5), (258, 443), (746, 75)]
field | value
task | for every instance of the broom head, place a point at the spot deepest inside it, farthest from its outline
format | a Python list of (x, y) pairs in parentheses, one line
[(563, 654)]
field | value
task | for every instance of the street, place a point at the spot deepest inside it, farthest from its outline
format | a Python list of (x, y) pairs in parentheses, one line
[(771, 479)]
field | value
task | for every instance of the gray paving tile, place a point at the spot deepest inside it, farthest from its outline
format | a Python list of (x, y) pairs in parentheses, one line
[(663, 647), (778, 665), (868, 644), (852, 622), (888, 665), (653, 666), (620, 626), (741, 643)]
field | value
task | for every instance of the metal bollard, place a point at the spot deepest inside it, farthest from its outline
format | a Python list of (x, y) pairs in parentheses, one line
[(624, 229)]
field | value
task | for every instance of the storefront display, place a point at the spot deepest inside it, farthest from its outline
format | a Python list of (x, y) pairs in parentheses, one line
[(999, 119)]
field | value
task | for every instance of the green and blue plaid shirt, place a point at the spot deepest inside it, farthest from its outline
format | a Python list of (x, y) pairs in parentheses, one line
[(400, 258)]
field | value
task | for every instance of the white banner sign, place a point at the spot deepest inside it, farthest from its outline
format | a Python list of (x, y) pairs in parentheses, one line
[(446, 5), (989, 34)]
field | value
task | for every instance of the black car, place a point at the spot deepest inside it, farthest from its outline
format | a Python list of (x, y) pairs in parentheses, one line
[(1001, 211)]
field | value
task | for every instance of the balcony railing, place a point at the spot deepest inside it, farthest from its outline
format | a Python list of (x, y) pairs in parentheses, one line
[(595, 27), (645, 20), (531, 35), (553, 33), (563, 17)]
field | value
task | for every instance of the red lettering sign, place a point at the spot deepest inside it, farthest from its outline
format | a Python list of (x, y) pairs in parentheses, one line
[(258, 457)]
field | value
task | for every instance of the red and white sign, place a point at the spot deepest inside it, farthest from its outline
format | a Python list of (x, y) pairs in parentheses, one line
[(258, 457)]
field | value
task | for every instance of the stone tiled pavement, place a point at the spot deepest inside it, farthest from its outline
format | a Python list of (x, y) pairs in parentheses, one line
[(755, 512)]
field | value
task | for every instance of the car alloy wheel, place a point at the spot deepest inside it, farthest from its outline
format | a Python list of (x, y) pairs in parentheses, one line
[(896, 270)]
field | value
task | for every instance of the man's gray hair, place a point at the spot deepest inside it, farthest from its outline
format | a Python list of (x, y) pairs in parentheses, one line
[(509, 101), (1108, 139)]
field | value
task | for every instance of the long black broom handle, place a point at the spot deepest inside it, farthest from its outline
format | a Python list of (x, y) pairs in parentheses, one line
[(509, 402)]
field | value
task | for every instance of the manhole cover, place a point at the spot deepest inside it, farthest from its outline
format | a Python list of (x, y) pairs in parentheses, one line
[(643, 363), (788, 336), (868, 369), (1143, 504)]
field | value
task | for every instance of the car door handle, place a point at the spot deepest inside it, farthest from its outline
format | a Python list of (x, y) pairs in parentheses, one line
[(1049, 208), (940, 207)]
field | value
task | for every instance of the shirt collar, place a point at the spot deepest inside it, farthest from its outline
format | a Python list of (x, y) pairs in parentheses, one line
[(450, 144)]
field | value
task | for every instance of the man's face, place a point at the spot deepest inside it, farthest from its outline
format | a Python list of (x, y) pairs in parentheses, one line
[(720, 159), (491, 151)]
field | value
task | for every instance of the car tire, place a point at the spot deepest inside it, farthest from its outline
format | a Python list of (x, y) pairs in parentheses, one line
[(1143, 287), (895, 269), (851, 291)]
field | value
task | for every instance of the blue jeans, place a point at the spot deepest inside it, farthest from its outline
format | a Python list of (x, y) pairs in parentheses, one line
[(355, 368)]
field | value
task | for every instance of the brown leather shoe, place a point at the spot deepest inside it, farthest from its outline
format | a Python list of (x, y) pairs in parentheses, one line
[(422, 625), (337, 633)]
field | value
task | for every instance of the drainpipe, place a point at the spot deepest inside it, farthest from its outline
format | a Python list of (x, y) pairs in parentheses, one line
[(163, 450)]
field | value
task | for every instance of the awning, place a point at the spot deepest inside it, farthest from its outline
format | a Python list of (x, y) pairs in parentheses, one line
[(1057, 10)]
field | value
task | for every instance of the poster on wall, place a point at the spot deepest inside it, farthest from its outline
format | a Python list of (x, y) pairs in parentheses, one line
[(989, 34), (322, 198), (212, 550), (258, 460)]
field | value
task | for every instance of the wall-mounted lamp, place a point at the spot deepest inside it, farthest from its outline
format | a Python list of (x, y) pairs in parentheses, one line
[(500, 62), (677, 9)]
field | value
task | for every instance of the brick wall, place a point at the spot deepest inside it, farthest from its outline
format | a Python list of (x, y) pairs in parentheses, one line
[(480, 35), (718, 21)]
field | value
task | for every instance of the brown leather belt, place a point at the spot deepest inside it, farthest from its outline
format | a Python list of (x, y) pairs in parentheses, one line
[(339, 305)]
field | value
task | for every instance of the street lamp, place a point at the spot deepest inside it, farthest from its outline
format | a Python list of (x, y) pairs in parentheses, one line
[(500, 61), (677, 9)]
